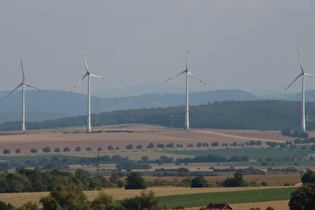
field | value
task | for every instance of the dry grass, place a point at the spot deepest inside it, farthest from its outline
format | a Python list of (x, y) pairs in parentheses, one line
[(278, 205)]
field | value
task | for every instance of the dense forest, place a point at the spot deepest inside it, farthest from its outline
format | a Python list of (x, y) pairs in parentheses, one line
[(255, 115)]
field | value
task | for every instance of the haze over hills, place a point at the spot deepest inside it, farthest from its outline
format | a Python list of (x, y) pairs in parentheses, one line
[(55, 104)]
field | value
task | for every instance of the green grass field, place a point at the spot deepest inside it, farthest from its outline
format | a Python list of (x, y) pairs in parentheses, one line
[(253, 153), (248, 196)]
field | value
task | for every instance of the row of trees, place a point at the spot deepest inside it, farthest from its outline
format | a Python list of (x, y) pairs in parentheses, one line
[(130, 147)]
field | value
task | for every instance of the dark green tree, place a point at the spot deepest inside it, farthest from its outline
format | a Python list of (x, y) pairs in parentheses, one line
[(66, 149), (57, 150), (135, 181), (117, 148), (114, 178), (236, 181), (6, 151), (182, 172), (82, 175), (199, 181), (162, 146), (34, 151), (129, 147), (110, 147), (199, 145), (303, 197), (78, 149), (18, 150), (151, 145), (88, 149), (308, 177), (99, 149), (170, 145), (46, 149), (139, 147)]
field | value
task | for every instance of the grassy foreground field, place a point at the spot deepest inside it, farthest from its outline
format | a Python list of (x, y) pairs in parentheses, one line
[(245, 196), (175, 196)]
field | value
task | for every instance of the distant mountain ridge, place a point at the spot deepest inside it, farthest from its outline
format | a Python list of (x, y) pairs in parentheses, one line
[(55, 104)]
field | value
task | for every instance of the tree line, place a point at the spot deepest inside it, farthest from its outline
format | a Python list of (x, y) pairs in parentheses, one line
[(68, 193), (150, 146)]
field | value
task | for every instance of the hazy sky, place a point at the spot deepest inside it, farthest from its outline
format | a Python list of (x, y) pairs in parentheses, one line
[(234, 44)]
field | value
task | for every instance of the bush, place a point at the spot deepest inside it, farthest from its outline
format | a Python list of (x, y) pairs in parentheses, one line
[(69, 197), (142, 202), (5, 206), (29, 206), (236, 181), (103, 201)]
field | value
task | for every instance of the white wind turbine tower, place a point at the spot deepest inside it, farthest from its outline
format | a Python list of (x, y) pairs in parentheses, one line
[(302, 74), (23, 83), (187, 102), (88, 74)]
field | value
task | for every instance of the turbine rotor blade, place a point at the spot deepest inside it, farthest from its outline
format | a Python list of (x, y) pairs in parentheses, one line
[(31, 86), (309, 75), (79, 81), (22, 70), (187, 59), (175, 76), (300, 62), (15, 89), (196, 78), (294, 81), (85, 62), (94, 75)]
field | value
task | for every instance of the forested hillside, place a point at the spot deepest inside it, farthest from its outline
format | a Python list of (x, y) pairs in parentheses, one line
[(60, 104), (258, 115)]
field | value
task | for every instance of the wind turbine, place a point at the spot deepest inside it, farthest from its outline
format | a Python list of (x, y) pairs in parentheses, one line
[(187, 73), (23, 83), (302, 74), (88, 74)]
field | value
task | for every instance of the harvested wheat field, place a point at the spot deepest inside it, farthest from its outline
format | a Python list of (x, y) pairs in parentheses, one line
[(18, 199), (140, 135)]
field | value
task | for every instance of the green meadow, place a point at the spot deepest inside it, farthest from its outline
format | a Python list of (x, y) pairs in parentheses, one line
[(246, 196)]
